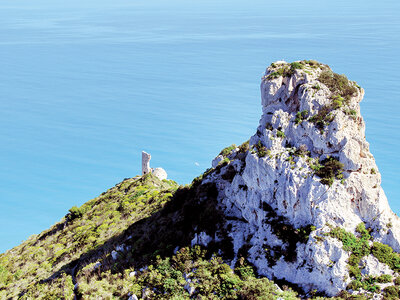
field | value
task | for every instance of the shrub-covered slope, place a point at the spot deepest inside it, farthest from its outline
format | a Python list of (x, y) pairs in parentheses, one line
[(132, 240), (95, 227)]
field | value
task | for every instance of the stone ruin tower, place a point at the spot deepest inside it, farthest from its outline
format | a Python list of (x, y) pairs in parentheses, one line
[(158, 172)]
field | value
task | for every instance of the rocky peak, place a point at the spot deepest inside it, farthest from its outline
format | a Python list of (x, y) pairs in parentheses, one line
[(306, 175)]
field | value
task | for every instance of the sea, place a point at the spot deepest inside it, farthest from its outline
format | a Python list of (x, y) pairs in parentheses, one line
[(86, 86)]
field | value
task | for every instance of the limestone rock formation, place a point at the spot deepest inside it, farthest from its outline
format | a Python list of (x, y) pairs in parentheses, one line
[(146, 163), (160, 173), (307, 184)]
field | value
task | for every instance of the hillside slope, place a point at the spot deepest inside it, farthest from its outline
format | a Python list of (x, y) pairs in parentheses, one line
[(98, 249)]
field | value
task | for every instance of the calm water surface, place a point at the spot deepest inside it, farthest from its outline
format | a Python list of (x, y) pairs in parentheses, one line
[(84, 88)]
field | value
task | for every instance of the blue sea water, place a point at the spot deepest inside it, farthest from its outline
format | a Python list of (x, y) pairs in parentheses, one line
[(85, 87)]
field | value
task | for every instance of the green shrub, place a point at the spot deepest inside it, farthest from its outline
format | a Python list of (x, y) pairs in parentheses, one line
[(391, 292), (226, 151), (385, 254), (339, 85), (373, 288), (350, 112), (261, 149), (337, 102), (312, 63), (385, 278), (280, 134), (363, 232), (263, 289), (284, 71), (301, 116), (316, 87), (74, 213), (223, 162), (269, 126), (331, 169), (373, 171), (296, 65), (243, 148), (4, 276), (359, 247), (274, 75), (322, 118), (355, 285), (354, 270)]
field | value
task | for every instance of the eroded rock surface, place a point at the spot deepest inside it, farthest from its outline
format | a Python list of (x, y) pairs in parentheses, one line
[(307, 170)]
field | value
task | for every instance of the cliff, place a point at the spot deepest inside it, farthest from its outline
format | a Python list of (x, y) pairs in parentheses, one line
[(308, 169), (299, 205)]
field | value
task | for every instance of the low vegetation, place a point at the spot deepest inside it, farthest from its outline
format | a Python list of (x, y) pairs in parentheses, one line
[(243, 148), (339, 85), (328, 170), (84, 230), (301, 116), (288, 69), (342, 90), (126, 247), (226, 151), (190, 273), (261, 150), (322, 118), (359, 247), (280, 134)]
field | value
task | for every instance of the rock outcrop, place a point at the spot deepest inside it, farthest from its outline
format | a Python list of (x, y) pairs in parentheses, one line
[(160, 173), (306, 183), (146, 163)]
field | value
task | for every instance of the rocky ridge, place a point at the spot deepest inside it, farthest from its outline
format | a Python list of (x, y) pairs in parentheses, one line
[(309, 168)]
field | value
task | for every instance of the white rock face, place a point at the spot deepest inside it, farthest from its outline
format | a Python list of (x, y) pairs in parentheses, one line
[(145, 163), (201, 239), (373, 267), (284, 183), (216, 161), (160, 173)]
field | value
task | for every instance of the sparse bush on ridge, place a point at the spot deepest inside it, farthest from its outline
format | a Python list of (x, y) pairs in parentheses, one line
[(339, 85), (243, 148), (74, 213), (262, 151), (226, 151)]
